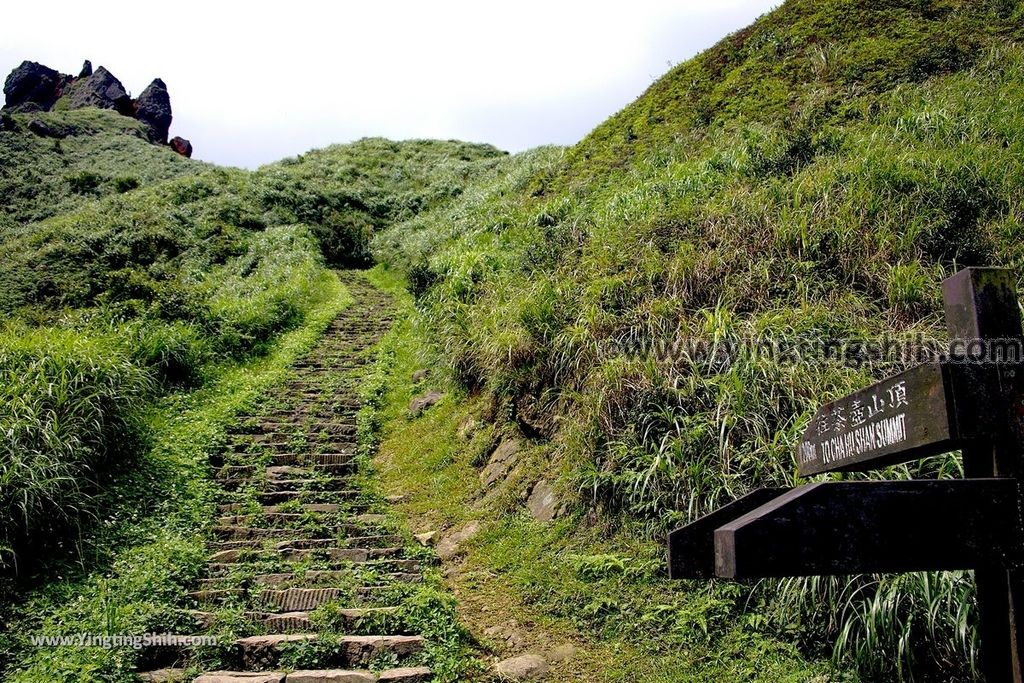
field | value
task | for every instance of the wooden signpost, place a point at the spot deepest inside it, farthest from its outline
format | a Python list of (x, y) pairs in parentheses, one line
[(972, 400)]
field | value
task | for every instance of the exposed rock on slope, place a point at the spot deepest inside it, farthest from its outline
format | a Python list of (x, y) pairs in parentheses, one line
[(32, 87), (182, 146), (153, 107), (101, 89)]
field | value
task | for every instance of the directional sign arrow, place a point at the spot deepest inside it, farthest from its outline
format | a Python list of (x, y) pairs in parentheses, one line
[(874, 527), (691, 548)]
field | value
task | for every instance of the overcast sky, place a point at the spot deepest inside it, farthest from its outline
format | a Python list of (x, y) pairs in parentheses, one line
[(249, 86)]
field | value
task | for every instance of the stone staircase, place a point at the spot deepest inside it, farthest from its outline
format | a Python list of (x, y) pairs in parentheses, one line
[(296, 533)]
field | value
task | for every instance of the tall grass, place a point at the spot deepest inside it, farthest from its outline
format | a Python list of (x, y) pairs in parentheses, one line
[(567, 284), (67, 414)]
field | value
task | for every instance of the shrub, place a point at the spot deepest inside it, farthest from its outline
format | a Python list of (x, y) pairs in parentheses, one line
[(125, 183), (84, 182)]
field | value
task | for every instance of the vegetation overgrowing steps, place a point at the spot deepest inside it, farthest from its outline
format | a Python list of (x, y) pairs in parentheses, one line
[(298, 535)]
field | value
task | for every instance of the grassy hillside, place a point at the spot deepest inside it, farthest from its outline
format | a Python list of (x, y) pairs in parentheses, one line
[(84, 154), (809, 180), (349, 192), (130, 272)]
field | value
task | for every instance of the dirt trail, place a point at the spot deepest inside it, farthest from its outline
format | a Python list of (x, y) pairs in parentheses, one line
[(295, 530)]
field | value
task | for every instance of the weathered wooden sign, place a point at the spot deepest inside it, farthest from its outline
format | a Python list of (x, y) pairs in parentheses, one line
[(902, 418), (972, 402)]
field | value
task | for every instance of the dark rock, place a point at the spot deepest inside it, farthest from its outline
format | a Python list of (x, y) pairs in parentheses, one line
[(42, 130), (418, 405), (32, 87), (153, 108), (181, 146), (101, 89)]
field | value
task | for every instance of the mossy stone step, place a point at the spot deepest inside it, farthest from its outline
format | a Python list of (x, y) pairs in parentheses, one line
[(386, 566), (264, 651), (327, 483), (387, 541), (325, 508), (236, 531), (341, 455), (300, 541), (401, 675), (291, 554), (241, 677), (311, 579)]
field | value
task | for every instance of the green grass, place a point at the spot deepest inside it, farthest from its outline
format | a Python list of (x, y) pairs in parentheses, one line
[(349, 192), (811, 179), (188, 265), (93, 153), (600, 586), (140, 560)]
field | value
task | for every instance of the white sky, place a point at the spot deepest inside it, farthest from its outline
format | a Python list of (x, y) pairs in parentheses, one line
[(249, 86)]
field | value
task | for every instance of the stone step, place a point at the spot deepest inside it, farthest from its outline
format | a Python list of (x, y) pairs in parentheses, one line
[(299, 540), (232, 528), (339, 405), (313, 578), (239, 501), (267, 486), (271, 472), (290, 423), (241, 677), (218, 569), (265, 651), (301, 599), (297, 520), (339, 454), (348, 618), (281, 444), (321, 508), (241, 510), (371, 542), (379, 595), (287, 553), (401, 675), (252, 472)]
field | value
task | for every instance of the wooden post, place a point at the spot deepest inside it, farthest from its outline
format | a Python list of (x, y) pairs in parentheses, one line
[(981, 305)]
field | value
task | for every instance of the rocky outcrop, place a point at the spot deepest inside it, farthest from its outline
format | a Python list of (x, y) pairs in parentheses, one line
[(100, 89), (182, 146), (153, 108), (33, 87)]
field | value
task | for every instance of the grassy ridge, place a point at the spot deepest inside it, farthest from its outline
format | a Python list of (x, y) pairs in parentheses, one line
[(88, 153), (130, 272), (810, 180), (349, 192)]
